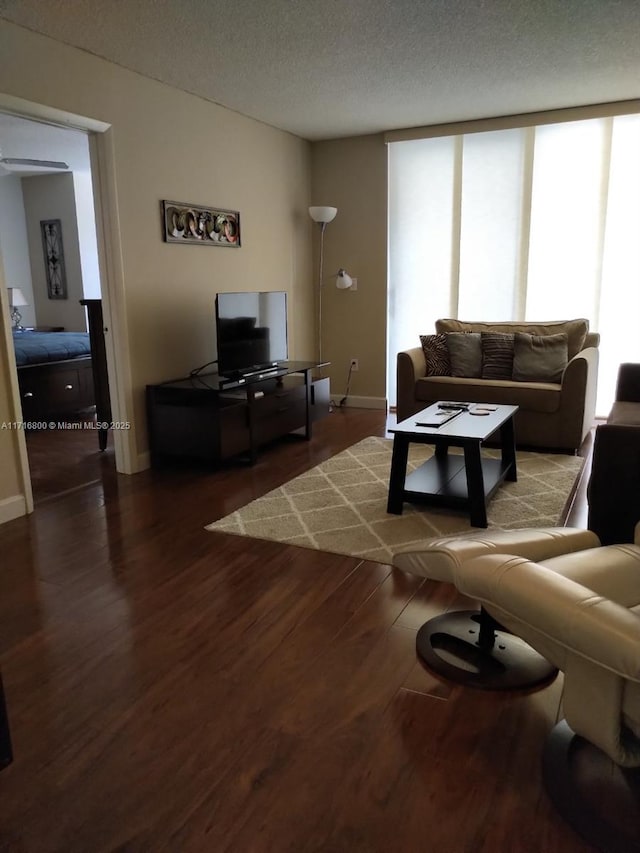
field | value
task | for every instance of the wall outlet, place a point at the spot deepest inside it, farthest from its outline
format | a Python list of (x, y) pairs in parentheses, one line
[(354, 283), (355, 365)]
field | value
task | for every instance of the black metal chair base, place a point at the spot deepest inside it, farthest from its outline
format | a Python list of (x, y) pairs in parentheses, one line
[(466, 647), (599, 799)]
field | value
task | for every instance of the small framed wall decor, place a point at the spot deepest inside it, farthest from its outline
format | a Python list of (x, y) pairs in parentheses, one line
[(206, 226), (54, 258)]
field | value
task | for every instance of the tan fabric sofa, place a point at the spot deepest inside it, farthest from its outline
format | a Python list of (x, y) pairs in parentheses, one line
[(551, 415)]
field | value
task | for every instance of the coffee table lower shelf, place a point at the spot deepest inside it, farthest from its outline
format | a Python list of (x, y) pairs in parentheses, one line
[(443, 482)]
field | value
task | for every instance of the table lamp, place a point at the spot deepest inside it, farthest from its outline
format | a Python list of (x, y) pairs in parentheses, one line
[(16, 300)]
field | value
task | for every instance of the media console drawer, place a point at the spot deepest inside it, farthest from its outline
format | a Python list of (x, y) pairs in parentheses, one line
[(279, 400), (282, 421)]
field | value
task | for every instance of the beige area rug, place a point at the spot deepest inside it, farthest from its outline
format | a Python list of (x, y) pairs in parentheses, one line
[(340, 505)]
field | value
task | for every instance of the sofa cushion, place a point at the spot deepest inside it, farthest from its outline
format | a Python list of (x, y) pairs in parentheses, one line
[(465, 353), (576, 330), (625, 414), (497, 355), (539, 358), (530, 396), (436, 355)]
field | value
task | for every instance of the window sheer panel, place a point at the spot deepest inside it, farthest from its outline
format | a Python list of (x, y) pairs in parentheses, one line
[(567, 208), (491, 229), (421, 204), (620, 291)]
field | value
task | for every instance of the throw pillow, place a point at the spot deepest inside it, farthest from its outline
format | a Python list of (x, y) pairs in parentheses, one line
[(465, 354), (436, 355), (576, 330), (497, 355), (540, 358)]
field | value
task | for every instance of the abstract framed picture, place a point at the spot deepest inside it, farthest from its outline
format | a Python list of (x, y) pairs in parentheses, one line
[(205, 226), (54, 258)]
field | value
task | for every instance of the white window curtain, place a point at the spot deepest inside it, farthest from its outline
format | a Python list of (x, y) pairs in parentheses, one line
[(528, 224)]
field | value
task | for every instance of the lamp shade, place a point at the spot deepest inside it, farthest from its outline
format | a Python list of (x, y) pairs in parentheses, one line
[(343, 279), (16, 297), (323, 214)]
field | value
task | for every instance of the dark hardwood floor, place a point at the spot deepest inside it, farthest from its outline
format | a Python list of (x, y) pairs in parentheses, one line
[(171, 689), (61, 460)]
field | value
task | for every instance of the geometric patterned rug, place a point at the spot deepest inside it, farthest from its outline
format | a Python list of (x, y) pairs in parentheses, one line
[(340, 505)]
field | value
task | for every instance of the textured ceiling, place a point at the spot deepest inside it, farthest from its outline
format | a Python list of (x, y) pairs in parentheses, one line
[(331, 68)]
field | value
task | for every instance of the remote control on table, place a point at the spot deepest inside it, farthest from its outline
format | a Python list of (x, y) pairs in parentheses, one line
[(452, 405)]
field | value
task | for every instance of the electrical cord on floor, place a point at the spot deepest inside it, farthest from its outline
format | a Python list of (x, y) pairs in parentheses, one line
[(346, 393)]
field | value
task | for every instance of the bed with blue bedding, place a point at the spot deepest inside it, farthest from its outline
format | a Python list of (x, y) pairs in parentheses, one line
[(40, 347), (54, 374)]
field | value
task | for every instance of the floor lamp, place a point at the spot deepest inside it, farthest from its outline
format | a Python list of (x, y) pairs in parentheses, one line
[(321, 215)]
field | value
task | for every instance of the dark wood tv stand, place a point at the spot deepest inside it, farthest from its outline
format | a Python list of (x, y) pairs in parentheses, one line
[(211, 418)]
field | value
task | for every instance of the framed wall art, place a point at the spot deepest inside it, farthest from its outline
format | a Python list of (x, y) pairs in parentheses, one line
[(206, 226), (54, 258)]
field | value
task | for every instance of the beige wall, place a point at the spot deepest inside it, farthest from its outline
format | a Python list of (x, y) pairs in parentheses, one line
[(351, 174), (49, 197), (13, 243), (171, 145)]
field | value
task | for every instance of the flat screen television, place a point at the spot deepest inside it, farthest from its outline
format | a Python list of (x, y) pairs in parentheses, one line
[(251, 330)]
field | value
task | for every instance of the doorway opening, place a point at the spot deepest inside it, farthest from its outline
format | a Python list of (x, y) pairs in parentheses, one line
[(49, 249)]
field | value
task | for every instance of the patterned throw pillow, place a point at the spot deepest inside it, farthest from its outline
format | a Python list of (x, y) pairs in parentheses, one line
[(497, 355), (436, 354)]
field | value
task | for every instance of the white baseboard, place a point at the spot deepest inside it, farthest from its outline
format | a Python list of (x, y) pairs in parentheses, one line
[(362, 402), (13, 507)]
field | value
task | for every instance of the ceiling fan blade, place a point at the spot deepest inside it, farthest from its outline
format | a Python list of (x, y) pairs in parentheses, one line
[(25, 161)]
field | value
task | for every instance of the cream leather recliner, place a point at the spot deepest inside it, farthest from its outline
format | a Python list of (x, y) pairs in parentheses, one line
[(578, 605)]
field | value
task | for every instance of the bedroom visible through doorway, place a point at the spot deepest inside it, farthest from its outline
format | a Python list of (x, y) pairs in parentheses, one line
[(50, 264)]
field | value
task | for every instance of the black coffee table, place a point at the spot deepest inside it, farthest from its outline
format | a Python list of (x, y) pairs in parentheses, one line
[(461, 481)]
